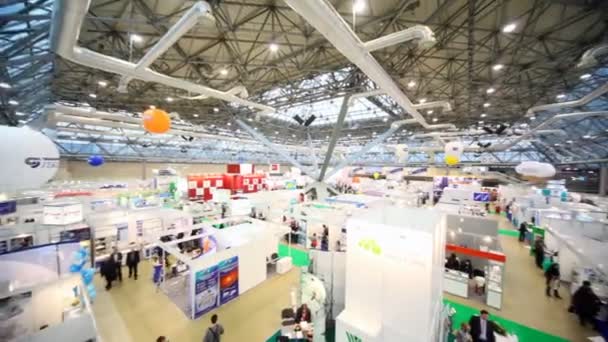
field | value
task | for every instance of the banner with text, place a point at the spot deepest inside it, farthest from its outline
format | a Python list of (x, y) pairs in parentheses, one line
[(229, 279), (206, 289)]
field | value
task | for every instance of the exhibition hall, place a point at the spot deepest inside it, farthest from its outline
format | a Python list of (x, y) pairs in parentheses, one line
[(303, 170)]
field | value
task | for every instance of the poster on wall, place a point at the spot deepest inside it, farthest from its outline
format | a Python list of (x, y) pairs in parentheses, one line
[(122, 232), (206, 291), (229, 279)]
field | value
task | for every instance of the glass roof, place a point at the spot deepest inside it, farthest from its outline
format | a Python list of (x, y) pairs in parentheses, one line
[(327, 111)]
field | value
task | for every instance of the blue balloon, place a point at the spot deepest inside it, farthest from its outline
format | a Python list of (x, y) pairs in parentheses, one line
[(96, 160), (90, 288), (92, 294), (87, 275), (75, 268)]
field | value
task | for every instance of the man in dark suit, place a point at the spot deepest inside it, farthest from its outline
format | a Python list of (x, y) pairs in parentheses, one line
[(482, 329), (132, 261), (303, 314), (116, 257)]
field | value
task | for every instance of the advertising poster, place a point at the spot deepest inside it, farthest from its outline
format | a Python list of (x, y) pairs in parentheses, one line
[(229, 279), (206, 291)]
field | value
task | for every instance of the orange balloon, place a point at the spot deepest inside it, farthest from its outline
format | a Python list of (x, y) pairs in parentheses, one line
[(156, 121)]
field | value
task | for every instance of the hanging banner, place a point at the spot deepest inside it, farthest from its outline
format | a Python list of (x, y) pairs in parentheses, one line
[(229, 279), (205, 291)]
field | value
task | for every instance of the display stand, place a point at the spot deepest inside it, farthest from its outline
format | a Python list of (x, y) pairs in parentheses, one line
[(391, 251)]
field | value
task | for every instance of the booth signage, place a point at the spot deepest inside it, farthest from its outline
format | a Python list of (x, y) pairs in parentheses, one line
[(8, 207), (481, 196), (205, 291), (229, 279)]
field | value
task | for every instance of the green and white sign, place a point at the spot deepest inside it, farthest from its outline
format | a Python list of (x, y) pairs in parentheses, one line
[(353, 338)]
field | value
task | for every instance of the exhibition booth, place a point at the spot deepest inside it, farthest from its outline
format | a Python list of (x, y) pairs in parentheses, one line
[(391, 252), (215, 266), (479, 267), (41, 299)]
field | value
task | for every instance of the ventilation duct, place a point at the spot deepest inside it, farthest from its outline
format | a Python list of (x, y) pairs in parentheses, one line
[(570, 104), (68, 16)]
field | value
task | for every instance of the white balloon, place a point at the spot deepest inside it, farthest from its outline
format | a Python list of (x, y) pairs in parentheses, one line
[(28, 158), (535, 169), (454, 148), (402, 153)]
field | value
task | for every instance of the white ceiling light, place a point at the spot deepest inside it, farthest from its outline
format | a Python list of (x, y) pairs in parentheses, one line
[(293, 135), (216, 109), (359, 6), (238, 130), (115, 140), (411, 84), (585, 76), (435, 119), (422, 101), (560, 96), (486, 105), (276, 132), (483, 115), (274, 47), (348, 135), (533, 118), (569, 141), (135, 38), (480, 122), (509, 28), (169, 99), (5, 85), (224, 72), (152, 107), (497, 67), (374, 133), (93, 96), (13, 102), (556, 144), (20, 113), (429, 112), (102, 83), (195, 115), (490, 90), (586, 137), (229, 124), (385, 119)]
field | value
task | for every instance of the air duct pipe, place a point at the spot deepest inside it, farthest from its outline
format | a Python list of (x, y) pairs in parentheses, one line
[(184, 24), (435, 104), (322, 16), (421, 33), (68, 16), (576, 103), (589, 58)]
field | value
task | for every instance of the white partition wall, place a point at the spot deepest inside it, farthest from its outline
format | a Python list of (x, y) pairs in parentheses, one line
[(390, 248)]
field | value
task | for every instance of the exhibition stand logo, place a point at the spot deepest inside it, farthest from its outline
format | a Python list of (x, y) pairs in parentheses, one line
[(371, 246), (353, 338), (36, 162)]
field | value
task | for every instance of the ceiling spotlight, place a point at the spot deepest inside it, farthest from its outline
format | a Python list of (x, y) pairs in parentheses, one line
[(276, 132), (93, 96), (152, 107), (224, 72), (115, 140), (374, 133), (483, 115), (20, 113), (359, 6), (229, 124), (13, 102), (480, 122), (569, 141), (429, 112), (411, 84), (169, 99), (293, 135), (385, 119), (195, 115), (102, 83), (586, 137), (590, 172), (5, 85), (486, 105), (216, 109), (274, 47), (422, 101), (533, 118), (583, 77), (560, 96), (490, 90), (497, 67), (509, 28), (435, 119), (327, 137), (238, 130), (135, 38)]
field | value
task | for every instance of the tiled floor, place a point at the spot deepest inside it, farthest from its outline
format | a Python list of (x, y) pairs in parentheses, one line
[(134, 311), (524, 299)]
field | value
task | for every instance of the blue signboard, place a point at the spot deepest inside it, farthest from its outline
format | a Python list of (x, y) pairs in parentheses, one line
[(229, 279), (481, 196), (8, 207), (206, 289)]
